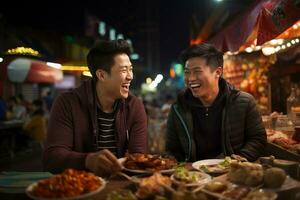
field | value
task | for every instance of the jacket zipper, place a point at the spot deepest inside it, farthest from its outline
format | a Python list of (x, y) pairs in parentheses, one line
[(186, 131)]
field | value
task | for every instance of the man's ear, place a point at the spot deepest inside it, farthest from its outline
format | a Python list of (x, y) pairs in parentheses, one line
[(101, 74), (219, 72)]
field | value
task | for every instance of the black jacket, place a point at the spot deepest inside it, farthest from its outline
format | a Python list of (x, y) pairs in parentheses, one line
[(242, 130)]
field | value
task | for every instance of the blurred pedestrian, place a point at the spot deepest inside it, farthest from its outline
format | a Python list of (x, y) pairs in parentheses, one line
[(167, 105), (2, 109), (35, 127), (15, 110), (48, 99)]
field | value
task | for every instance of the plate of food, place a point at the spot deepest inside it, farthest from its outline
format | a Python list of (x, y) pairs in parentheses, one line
[(148, 163), (213, 166), (121, 194), (156, 184), (189, 178), (69, 185), (261, 194)]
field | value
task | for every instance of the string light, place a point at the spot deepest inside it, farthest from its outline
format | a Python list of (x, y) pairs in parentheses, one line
[(87, 73), (74, 68), (23, 51)]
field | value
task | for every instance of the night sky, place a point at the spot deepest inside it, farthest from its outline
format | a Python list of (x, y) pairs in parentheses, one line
[(126, 16), (172, 18)]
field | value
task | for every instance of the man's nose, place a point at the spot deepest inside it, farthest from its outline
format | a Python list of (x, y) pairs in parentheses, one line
[(190, 77), (129, 75)]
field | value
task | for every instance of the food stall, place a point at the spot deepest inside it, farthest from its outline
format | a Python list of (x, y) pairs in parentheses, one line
[(264, 61), (270, 79), (20, 75)]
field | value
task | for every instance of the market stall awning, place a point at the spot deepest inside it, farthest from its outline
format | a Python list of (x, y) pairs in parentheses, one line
[(32, 71), (263, 21)]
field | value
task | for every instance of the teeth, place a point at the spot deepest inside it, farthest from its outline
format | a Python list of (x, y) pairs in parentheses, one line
[(195, 85)]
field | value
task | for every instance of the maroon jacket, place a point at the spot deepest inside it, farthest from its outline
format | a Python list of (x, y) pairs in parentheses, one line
[(73, 127)]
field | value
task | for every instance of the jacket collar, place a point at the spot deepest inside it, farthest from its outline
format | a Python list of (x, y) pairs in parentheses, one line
[(229, 90), (86, 93)]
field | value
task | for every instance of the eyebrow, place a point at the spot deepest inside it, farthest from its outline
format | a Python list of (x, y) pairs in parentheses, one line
[(125, 66), (193, 67)]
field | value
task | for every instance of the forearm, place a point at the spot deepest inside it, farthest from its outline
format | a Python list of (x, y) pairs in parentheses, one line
[(255, 134), (59, 153), (173, 146), (254, 147)]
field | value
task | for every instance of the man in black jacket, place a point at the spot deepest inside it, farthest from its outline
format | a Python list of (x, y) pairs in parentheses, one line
[(210, 117)]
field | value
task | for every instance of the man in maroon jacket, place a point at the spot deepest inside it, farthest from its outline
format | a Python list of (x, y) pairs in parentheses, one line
[(94, 124)]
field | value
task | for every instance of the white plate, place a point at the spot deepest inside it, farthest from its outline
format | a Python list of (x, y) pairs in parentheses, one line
[(166, 171), (205, 178), (83, 196), (207, 163), (138, 171)]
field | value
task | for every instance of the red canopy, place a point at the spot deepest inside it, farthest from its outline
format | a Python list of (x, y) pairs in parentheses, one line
[(263, 21), (27, 70)]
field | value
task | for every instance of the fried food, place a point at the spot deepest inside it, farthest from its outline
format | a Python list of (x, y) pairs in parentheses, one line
[(152, 185), (139, 161), (121, 194), (246, 173), (70, 183), (216, 186), (261, 195), (274, 177), (188, 196), (237, 192)]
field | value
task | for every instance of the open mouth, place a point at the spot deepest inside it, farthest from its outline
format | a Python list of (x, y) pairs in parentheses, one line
[(195, 85), (126, 86)]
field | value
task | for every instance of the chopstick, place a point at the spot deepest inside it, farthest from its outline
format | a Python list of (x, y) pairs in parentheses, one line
[(132, 179)]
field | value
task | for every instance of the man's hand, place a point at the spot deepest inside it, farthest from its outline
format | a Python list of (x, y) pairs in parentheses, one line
[(102, 163), (239, 158)]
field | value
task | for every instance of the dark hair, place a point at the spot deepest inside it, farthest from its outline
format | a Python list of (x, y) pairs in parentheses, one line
[(213, 57), (101, 56)]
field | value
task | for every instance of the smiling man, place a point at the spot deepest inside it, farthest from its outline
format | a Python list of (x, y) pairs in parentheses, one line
[(210, 117), (93, 125)]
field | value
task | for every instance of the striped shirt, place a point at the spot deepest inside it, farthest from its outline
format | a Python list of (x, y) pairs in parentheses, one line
[(107, 135)]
